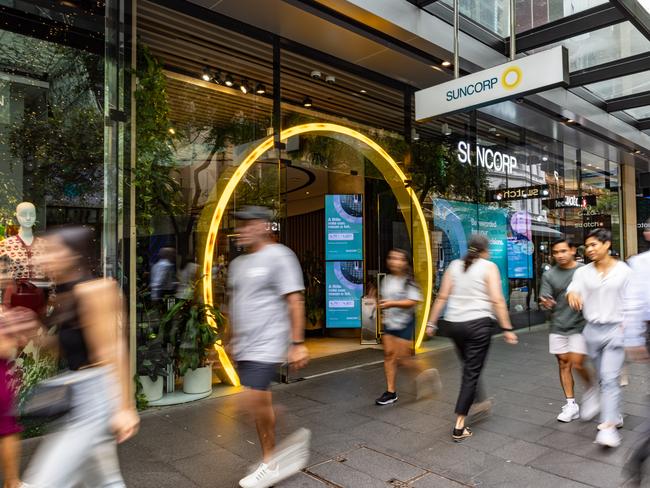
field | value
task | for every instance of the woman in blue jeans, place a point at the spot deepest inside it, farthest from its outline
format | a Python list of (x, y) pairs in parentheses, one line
[(471, 290)]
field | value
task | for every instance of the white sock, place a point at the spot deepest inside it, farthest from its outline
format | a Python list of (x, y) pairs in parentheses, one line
[(570, 401)]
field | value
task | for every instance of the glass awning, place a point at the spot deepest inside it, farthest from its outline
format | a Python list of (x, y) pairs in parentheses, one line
[(608, 43)]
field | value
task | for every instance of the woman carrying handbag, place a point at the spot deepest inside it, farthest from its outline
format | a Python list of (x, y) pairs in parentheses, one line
[(90, 339)]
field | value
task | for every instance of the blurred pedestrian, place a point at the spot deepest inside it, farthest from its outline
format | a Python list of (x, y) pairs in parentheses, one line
[(637, 317), (163, 274), (267, 315), (91, 342), (565, 339), (187, 279), (471, 290), (598, 290), (400, 296)]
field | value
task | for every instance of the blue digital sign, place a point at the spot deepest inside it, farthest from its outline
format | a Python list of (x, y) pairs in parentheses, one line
[(344, 290), (343, 227)]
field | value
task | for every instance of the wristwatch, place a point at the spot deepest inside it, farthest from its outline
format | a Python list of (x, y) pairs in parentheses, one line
[(297, 343)]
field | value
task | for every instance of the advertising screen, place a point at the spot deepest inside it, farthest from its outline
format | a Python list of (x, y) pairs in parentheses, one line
[(520, 246), (457, 221), (343, 227), (344, 285)]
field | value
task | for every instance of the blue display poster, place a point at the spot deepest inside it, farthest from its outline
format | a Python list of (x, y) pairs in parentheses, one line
[(520, 246), (343, 227), (344, 290), (457, 221)]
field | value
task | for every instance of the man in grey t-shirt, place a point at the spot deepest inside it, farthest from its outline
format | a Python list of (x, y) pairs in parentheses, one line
[(267, 317), (565, 339)]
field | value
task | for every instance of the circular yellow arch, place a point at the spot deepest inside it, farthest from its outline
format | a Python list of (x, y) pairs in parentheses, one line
[(390, 170)]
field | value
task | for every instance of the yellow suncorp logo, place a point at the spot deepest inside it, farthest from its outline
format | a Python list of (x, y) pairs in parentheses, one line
[(510, 79)]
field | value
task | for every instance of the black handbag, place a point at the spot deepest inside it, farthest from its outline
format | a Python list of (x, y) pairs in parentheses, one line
[(47, 401)]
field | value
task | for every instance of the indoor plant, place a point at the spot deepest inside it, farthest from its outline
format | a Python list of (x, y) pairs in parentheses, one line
[(152, 362)]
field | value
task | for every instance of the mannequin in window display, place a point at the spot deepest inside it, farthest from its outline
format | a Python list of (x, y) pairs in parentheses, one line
[(28, 282)]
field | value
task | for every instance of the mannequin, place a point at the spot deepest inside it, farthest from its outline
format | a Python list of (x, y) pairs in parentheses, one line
[(23, 251)]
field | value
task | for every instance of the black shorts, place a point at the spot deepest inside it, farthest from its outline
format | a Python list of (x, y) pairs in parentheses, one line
[(257, 375)]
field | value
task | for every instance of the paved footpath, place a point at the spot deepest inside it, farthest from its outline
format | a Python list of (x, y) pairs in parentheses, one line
[(357, 444)]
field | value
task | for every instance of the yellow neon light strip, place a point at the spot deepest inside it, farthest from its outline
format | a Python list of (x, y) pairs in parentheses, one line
[(255, 154)]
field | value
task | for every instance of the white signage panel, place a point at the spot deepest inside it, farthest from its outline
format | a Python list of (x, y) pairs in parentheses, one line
[(529, 74)]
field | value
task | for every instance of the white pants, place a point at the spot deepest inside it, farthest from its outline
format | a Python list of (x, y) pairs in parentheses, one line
[(83, 451)]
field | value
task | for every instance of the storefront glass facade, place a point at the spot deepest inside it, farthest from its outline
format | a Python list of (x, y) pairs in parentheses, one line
[(211, 104)]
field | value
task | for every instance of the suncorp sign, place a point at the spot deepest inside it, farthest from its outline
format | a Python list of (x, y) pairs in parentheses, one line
[(487, 158), (529, 74)]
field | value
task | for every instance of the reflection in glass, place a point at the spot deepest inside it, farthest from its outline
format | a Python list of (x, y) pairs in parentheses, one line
[(621, 87), (639, 112), (603, 45)]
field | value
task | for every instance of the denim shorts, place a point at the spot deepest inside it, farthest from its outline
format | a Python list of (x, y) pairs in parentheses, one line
[(257, 375)]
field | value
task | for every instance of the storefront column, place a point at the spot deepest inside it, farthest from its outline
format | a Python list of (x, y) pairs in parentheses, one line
[(628, 186)]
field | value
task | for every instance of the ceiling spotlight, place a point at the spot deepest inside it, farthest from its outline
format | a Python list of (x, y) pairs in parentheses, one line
[(445, 129), (362, 91), (68, 3), (260, 89), (446, 64), (172, 131), (217, 78), (637, 151), (307, 102), (544, 158), (330, 80), (206, 76), (498, 134), (229, 81), (244, 87), (570, 121)]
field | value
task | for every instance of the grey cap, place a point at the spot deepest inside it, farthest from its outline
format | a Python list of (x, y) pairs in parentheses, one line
[(253, 212)]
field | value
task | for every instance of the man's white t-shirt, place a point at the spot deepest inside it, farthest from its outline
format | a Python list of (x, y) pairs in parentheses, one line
[(258, 284)]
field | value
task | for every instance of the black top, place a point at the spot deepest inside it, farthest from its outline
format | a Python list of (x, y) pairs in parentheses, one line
[(73, 345)]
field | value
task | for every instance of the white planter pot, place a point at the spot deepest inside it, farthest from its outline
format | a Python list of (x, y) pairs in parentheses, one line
[(198, 380), (153, 390)]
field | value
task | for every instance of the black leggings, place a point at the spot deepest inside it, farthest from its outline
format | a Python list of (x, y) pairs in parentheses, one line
[(472, 341)]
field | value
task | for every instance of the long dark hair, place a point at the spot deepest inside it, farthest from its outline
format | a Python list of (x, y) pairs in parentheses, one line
[(79, 240), (477, 245)]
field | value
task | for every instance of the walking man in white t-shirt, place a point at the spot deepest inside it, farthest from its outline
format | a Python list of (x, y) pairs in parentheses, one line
[(267, 316), (598, 289)]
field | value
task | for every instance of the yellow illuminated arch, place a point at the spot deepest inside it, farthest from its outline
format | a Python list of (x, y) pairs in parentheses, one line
[(405, 195)]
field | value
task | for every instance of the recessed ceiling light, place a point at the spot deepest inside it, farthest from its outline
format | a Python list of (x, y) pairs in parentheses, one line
[(544, 158), (244, 87), (446, 63), (570, 121), (171, 130), (497, 134), (306, 193), (229, 81), (307, 102), (638, 151), (362, 91), (206, 76), (260, 89)]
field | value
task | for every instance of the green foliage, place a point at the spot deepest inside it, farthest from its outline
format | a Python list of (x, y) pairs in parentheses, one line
[(157, 191), (314, 276), (435, 169), (185, 326), (141, 401), (31, 369), (152, 355)]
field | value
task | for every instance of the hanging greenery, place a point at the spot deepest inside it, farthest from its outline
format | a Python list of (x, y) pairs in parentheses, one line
[(158, 192)]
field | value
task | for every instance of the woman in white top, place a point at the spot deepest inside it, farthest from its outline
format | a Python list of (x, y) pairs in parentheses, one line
[(471, 289), (400, 296)]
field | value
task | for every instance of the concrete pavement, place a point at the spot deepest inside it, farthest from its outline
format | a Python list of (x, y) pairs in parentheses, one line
[(357, 444)]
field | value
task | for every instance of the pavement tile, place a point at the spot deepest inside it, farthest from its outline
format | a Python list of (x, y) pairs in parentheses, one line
[(381, 466), (515, 428), (301, 480), (512, 475), (434, 481), (344, 475), (579, 469), (520, 452)]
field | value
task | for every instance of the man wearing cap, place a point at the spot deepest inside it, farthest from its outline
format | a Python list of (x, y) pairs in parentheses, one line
[(267, 317)]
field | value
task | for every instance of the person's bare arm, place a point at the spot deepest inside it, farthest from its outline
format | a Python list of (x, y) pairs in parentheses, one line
[(439, 304), (406, 303), (298, 353), (100, 303), (493, 282)]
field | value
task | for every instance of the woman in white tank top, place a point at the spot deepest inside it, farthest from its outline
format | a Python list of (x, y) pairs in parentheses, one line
[(471, 290)]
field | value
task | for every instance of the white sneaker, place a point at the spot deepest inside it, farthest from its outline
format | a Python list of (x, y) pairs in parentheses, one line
[(428, 383), (608, 437), (262, 477), (292, 454), (590, 404), (570, 411), (619, 424)]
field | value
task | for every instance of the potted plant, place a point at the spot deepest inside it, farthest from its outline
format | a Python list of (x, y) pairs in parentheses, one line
[(313, 271), (152, 362), (198, 338)]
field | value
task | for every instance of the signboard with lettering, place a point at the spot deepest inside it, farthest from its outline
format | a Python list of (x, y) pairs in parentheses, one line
[(488, 158), (570, 201), (343, 295), (343, 227), (519, 193), (529, 74)]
